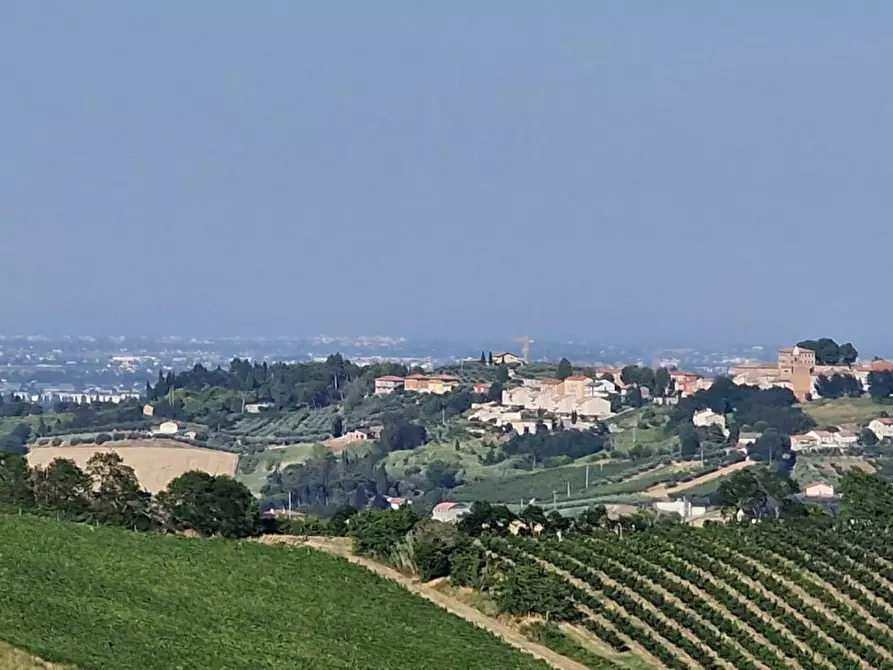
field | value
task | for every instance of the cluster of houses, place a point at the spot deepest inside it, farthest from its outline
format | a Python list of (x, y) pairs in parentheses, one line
[(434, 383), (796, 369), (840, 437)]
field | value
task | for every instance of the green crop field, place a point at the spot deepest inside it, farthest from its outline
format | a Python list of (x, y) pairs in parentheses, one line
[(512, 486), (103, 598)]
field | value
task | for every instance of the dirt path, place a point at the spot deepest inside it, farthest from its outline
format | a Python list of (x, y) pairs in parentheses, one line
[(661, 490), (16, 659), (339, 547)]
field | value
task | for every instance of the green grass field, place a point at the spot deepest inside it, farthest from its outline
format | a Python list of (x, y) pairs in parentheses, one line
[(843, 410), (514, 485), (102, 598)]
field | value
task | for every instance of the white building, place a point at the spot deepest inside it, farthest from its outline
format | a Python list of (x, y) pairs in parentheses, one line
[(683, 508), (167, 428), (450, 512), (707, 417), (818, 490), (846, 439), (824, 439), (882, 428)]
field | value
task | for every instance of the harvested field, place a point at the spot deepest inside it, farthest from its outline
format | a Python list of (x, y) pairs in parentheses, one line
[(155, 462)]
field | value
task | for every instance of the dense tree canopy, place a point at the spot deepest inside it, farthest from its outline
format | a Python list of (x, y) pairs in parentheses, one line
[(210, 505), (565, 369), (570, 443), (757, 492), (828, 352), (838, 386), (750, 405), (880, 385)]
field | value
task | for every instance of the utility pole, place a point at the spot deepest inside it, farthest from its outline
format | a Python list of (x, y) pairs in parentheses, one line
[(587, 476), (568, 488), (289, 503), (554, 500)]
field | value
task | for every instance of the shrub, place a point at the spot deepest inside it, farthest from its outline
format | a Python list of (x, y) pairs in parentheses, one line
[(102, 438), (57, 441)]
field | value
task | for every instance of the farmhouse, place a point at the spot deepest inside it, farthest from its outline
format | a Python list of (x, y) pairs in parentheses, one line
[(438, 384), (388, 384), (507, 358)]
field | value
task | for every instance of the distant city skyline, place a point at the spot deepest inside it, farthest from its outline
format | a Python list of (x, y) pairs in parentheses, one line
[(617, 172)]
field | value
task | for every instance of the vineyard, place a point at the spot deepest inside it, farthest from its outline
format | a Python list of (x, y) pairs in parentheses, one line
[(765, 597)]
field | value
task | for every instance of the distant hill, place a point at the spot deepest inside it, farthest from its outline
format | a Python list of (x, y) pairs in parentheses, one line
[(103, 598)]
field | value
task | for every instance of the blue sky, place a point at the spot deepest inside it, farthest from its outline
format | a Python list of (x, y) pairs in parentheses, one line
[(643, 172)]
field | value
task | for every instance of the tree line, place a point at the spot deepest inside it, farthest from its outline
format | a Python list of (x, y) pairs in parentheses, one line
[(107, 492)]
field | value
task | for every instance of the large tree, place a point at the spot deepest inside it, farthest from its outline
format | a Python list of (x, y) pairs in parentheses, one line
[(16, 488), (118, 499), (63, 487), (828, 352), (880, 385), (757, 492), (209, 505), (565, 369), (838, 386)]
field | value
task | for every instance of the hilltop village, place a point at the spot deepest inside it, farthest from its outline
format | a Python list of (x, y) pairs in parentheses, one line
[(574, 508)]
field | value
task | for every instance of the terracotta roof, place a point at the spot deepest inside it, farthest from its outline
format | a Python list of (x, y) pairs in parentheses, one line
[(811, 484), (885, 421), (576, 378), (389, 378), (802, 437), (550, 382)]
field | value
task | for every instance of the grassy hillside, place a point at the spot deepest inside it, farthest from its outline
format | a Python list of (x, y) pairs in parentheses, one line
[(104, 598), (843, 410), (770, 596)]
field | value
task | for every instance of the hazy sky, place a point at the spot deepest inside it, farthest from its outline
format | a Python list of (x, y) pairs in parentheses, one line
[(668, 172)]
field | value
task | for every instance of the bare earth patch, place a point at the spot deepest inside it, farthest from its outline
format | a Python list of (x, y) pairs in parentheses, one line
[(661, 490), (16, 659), (156, 462)]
